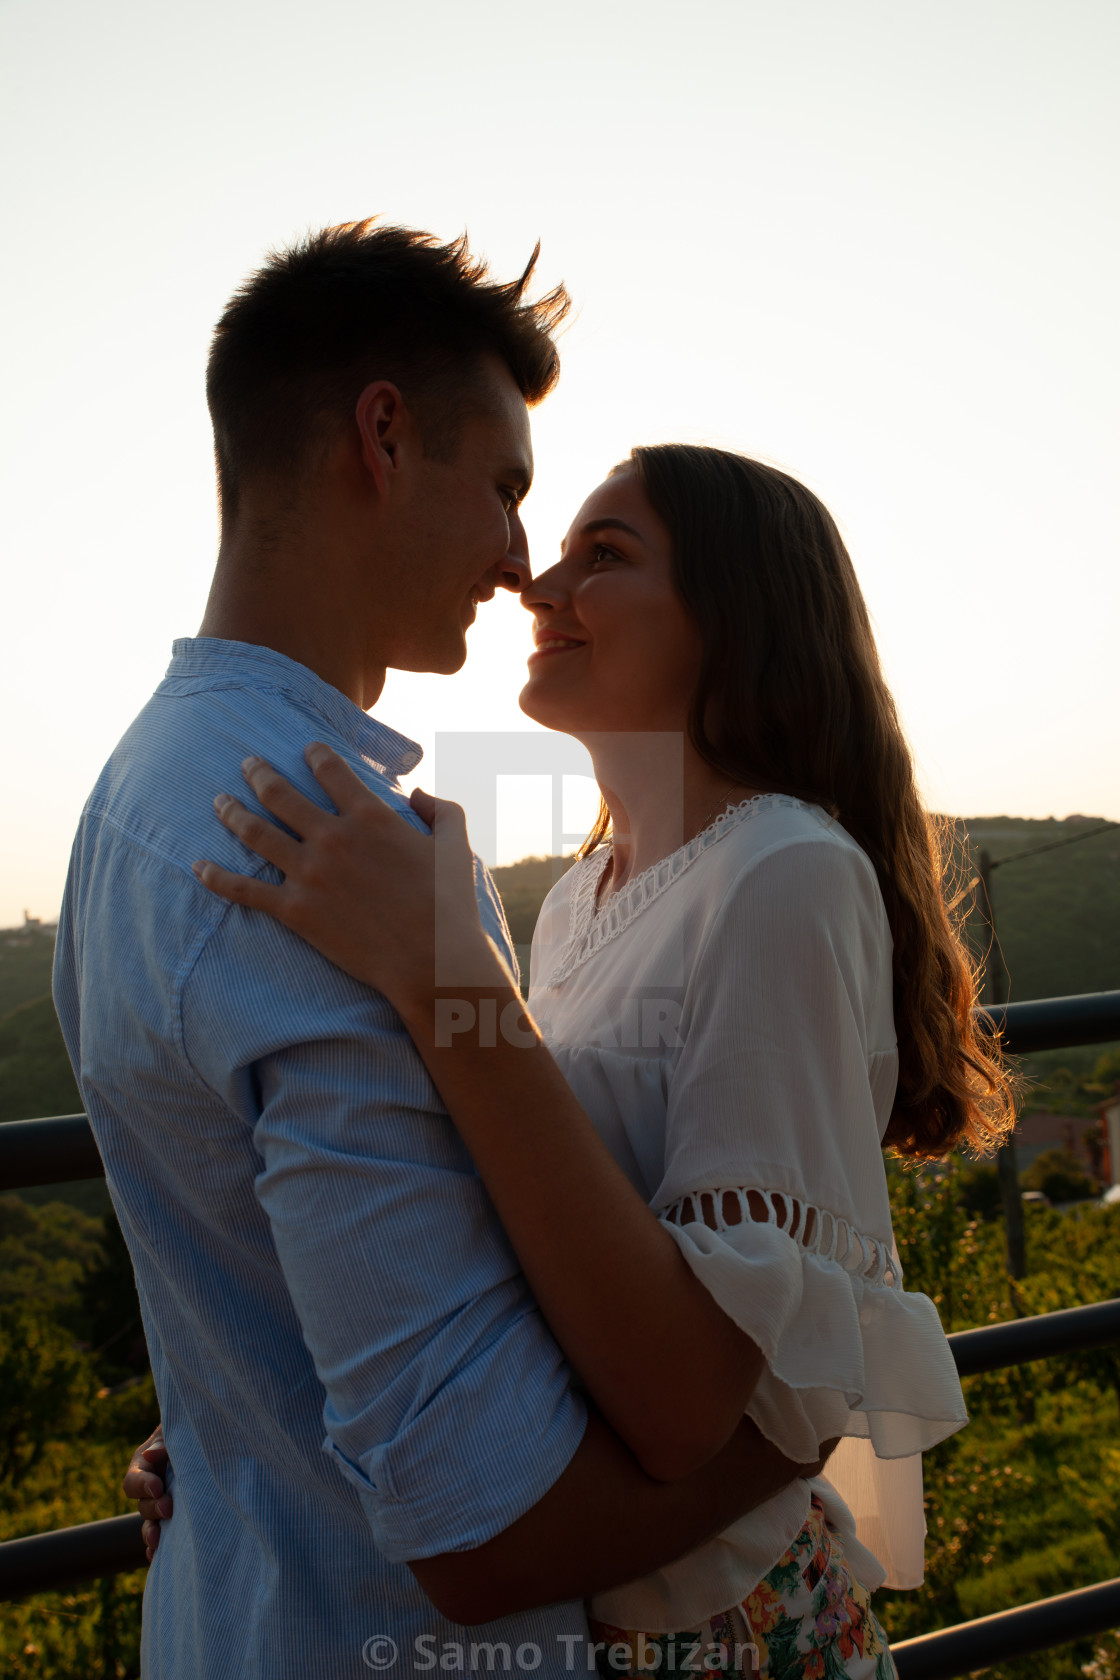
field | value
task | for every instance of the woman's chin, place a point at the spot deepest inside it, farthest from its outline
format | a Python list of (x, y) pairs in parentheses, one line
[(548, 710), (530, 704)]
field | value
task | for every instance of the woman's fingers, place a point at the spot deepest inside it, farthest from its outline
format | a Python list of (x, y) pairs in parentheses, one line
[(444, 813), (448, 823), (256, 832), (446, 819), (336, 778), (277, 795), (242, 889), (424, 805)]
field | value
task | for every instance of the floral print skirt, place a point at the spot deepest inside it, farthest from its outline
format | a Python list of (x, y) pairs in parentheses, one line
[(807, 1619)]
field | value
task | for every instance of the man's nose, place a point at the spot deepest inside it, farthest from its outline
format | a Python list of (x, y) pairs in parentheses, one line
[(514, 571)]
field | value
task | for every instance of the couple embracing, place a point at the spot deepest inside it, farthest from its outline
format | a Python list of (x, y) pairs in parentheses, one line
[(579, 1340)]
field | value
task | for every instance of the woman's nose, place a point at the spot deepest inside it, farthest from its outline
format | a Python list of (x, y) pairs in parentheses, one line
[(544, 593)]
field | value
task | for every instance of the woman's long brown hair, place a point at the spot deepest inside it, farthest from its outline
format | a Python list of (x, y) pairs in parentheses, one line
[(792, 699)]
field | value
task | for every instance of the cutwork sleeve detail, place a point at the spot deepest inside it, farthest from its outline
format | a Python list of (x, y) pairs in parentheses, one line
[(848, 1351), (816, 1229)]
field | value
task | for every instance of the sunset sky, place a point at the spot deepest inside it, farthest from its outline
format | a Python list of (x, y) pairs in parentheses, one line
[(870, 240)]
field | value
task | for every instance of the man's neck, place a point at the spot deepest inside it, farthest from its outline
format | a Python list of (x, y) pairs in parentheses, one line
[(317, 632)]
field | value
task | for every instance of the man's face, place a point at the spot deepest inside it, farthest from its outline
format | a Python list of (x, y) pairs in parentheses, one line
[(460, 536)]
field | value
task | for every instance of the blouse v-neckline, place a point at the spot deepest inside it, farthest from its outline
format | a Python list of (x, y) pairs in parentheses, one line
[(591, 926)]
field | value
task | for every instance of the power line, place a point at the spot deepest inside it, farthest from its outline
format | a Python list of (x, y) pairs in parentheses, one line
[(1053, 845)]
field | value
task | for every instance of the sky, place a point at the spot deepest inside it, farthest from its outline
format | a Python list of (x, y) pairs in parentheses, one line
[(872, 241)]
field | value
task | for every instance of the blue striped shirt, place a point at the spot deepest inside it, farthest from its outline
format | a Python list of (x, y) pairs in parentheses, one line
[(314, 1251)]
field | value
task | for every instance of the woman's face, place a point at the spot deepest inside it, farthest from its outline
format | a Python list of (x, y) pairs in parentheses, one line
[(616, 648)]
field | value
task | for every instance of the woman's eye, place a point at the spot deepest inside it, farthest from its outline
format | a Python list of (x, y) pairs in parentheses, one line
[(599, 553)]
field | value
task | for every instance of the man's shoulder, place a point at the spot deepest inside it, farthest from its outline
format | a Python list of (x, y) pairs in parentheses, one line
[(151, 816), (187, 745)]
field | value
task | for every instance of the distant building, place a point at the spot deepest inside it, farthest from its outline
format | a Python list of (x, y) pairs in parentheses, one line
[(36, 924), (1037, 1132), (34, 927)]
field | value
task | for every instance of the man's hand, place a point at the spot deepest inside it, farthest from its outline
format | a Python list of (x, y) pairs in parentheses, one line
[(144, 1482)]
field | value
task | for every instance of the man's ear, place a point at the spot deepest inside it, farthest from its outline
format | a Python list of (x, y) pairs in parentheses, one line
[(383, 422)]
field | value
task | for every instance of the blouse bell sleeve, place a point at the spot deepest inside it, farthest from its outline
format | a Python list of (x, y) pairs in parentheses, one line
[(775, 1189)]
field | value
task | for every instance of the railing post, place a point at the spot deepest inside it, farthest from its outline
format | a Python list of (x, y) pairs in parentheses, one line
[(1007, 1159)]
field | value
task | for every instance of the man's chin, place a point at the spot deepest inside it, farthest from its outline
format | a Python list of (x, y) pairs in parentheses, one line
[(438, 661)]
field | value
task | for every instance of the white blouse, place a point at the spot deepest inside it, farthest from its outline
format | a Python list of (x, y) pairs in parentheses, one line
[(726, 1020)]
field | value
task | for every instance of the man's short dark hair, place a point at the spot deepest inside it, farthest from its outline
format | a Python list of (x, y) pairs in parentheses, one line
[(301, 339)]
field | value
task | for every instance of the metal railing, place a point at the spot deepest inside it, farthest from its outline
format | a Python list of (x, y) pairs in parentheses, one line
[(56, 1151), (67, 1556), (1009, 1634), (1059, 1023), (62, 1149)]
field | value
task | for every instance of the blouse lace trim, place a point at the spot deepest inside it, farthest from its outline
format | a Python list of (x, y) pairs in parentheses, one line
[(591, 929), (816, 1229)]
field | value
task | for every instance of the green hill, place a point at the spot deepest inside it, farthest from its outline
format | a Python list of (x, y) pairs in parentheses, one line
[(26, 955), (523, 888), (1058, 914), (35, 1075)]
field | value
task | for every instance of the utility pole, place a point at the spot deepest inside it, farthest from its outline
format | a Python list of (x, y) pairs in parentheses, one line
[(995, 992), (1007, 1159)]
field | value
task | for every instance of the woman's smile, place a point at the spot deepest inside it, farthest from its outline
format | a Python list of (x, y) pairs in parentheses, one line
[(552, 641)]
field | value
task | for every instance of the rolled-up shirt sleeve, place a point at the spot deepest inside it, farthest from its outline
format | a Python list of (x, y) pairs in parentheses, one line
[(447, 1403)]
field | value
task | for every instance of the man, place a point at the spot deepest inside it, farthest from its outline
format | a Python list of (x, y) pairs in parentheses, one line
[(312, 1246)]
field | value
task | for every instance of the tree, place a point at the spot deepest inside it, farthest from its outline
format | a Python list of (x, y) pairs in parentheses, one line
[(110, 1310), (46, 1388), (979, 1192), (1059, 1175)]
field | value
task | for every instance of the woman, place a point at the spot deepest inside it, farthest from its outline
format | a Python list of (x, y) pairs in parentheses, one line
[(733, 1004)]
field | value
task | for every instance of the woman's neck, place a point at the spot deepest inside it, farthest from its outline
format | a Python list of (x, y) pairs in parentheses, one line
[(660, 794)]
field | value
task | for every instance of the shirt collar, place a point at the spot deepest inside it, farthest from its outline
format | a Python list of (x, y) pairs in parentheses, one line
[(217, 661)]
